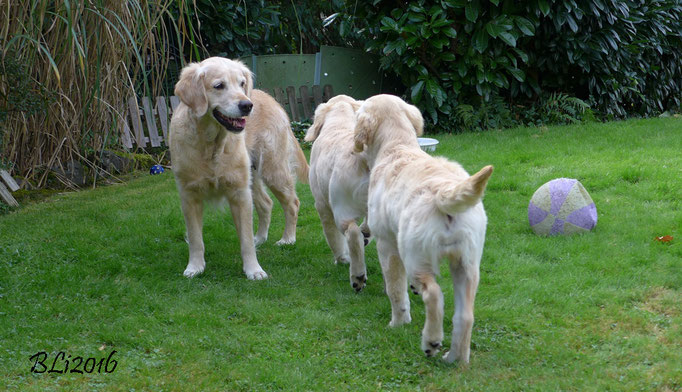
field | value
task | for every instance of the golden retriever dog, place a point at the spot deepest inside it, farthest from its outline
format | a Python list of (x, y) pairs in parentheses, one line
[(338, 180), (422, 210), (218, 154)]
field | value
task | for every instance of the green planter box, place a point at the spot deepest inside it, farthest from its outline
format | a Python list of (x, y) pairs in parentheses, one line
[(282, 70), (349, 71)]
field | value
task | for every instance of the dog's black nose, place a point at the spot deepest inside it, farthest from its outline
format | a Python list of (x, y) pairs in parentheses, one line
[(245, 107)]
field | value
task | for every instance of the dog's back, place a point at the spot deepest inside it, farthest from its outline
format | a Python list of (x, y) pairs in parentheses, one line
[(338, 175), (269, 137), (429, 205)]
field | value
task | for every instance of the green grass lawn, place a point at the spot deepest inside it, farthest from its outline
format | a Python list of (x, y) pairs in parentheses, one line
[(100, 270)]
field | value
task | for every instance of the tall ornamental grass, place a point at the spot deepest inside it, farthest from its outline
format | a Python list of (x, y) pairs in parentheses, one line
[(67, 69)]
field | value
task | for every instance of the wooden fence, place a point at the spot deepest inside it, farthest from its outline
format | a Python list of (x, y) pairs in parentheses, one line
[(6, 190), (148, 124)]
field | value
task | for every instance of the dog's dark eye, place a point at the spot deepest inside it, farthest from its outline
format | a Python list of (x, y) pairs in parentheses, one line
[(243, 84), (219, 86)]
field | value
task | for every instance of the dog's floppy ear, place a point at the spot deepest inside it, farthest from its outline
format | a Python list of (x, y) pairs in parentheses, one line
[(249, 79), (415, 117), (364, 126), (318, 122), (190, 89), (356, 105)]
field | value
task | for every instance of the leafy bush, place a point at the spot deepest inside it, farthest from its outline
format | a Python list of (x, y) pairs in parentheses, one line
[(554, 108), (257, 27), (621, 57), (21, 95), (624, 56), (492, 114), (300, 129)]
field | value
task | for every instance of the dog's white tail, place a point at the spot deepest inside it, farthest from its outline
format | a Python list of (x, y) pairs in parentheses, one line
[(465, 194)]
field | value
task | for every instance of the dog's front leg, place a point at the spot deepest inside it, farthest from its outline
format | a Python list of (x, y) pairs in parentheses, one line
[(242, 213), (193, 211)]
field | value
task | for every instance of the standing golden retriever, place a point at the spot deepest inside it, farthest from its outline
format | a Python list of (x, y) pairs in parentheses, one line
[(421, 210), (214, 149), (338, 180)]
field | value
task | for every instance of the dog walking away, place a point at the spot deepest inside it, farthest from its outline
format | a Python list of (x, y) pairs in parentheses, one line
[(421, 210), (338, 181), (210, 141)]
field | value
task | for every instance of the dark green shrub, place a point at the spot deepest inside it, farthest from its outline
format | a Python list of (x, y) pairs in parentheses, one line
[(22, 94), (554, 108), (454, 52), (236, 28), (623, 57), (300, 129)]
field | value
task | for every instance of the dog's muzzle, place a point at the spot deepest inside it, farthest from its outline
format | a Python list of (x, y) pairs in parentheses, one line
[(232, 124)]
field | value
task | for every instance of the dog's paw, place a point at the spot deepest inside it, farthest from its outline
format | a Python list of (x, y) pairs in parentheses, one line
[(343, 259), (193, 270), (431, 348), (256, 274), (398, 321), (358, 282), (448, 358), (451, 356), (286, 241), (258, 240)]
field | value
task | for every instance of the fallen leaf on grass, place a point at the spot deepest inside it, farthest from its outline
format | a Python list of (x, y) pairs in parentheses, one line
[(665, 238)]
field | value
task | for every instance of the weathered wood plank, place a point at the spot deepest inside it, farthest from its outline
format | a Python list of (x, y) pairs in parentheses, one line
[(279, 96), (7, 196), (317, 94), (175, 102), (306, 102), (126, 138), (13, 186), (293, 105), (162, 111), (151, 122), (140, 139), (328, 92)]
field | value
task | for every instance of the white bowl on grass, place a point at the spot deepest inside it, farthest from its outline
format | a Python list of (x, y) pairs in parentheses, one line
[(427, 144)]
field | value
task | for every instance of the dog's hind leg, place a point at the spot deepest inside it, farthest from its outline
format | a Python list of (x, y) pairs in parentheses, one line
[(284, 190), (358, 270), (193, 212), (395, 280), (432, 334), (465, 283), (263, 204), (334, 237)]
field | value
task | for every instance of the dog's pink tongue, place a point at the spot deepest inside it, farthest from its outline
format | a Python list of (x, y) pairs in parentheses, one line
[(241, 122)]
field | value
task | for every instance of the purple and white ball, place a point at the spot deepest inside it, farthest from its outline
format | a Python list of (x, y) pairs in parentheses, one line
[(561, 206)]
